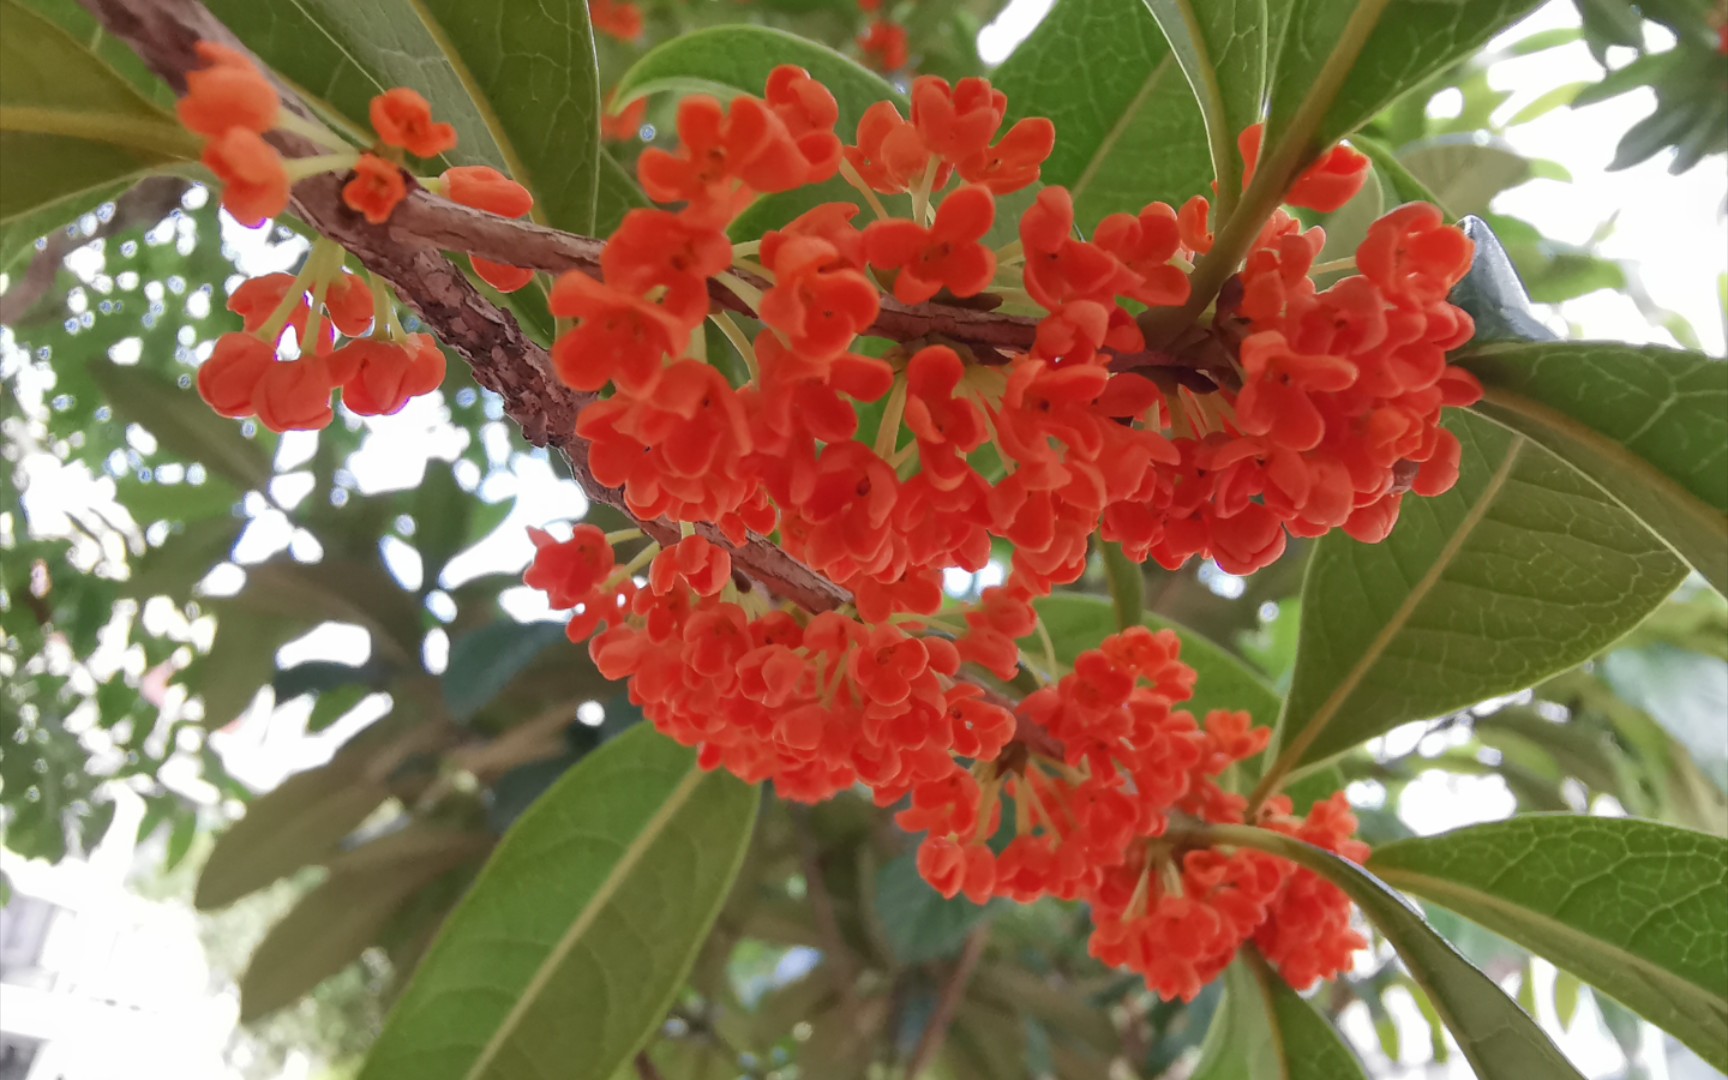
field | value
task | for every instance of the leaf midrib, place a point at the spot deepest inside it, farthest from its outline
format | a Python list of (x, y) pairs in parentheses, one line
[(620, 872), (1690, 505), (1442, 891), (1383, 638), (1117, 130)]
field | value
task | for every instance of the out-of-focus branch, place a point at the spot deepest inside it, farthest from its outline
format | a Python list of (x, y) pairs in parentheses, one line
[(953, 992), (148, 202)]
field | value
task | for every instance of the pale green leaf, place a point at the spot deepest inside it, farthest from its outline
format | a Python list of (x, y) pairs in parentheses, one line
[(1648, 424), (1523, 569), (183, 559), (1463, 175), (71, 128), (1637, 909), (1265, 1030), (1500, 1041), (1127, 129), (571, 944), (182, 423)]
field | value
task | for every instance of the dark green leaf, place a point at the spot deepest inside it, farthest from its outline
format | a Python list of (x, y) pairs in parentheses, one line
[(297, 824), (917, 922), (1222, 47), (602, 892), (1337, 65), (331, 925), (1648, 424), (1637, 909), (1523, 569), (1127, 129), (1500, 1041), (483, 663)]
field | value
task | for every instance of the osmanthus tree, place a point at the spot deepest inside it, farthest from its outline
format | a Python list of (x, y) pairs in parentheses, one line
[(1153, 296)]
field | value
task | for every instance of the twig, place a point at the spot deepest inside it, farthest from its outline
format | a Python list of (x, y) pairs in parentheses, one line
[(822, 909), (953, 991)]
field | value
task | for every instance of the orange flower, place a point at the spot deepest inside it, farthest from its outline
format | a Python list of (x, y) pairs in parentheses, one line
[(1016, 161), (381, 376), (1326, 185), (229, 92), (884, 46), (959, 121), (376, 188), (619, 18), (350, 304), (403, 118), (619, 337), (947, 255), (485, 188), (254, 183), (228, 379), (624, 125), (294, 396), (819, 306)]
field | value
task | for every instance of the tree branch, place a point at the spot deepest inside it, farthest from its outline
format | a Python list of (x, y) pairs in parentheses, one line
[(953, 992)]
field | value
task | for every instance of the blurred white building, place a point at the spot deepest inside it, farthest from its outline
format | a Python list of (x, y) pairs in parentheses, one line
[(98, 983)]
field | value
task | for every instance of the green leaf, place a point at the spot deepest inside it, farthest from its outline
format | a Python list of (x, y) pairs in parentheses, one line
[(1648, 424), (1127, 129), (441, 512), (299, 823), (1335, 66), (1265, 1030), (334, 923), (70, 126), (1523, 569), (726, 61), (1462, 174), (184, 559), (918, 923), (240, 661), (1683, 691), (1634, 908), (517, 78), (576, 936), (1222, 47), (1500, 1041), (1078, 622), (483, 663), (1127, 586), (182, 423)]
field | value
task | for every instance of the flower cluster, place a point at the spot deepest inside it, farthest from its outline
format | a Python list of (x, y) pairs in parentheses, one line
[(882, 468), (378, 368), (381, 366), (233, 105)]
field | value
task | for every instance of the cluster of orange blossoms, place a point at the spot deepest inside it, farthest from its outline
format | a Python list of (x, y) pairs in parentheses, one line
[(882, 471), (880, 468), (381, 367)]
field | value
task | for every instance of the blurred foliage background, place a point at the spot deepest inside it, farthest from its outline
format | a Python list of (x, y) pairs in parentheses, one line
[(192, 611)]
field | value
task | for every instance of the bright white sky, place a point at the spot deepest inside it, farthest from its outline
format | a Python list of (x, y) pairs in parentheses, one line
[(1671, 229)]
